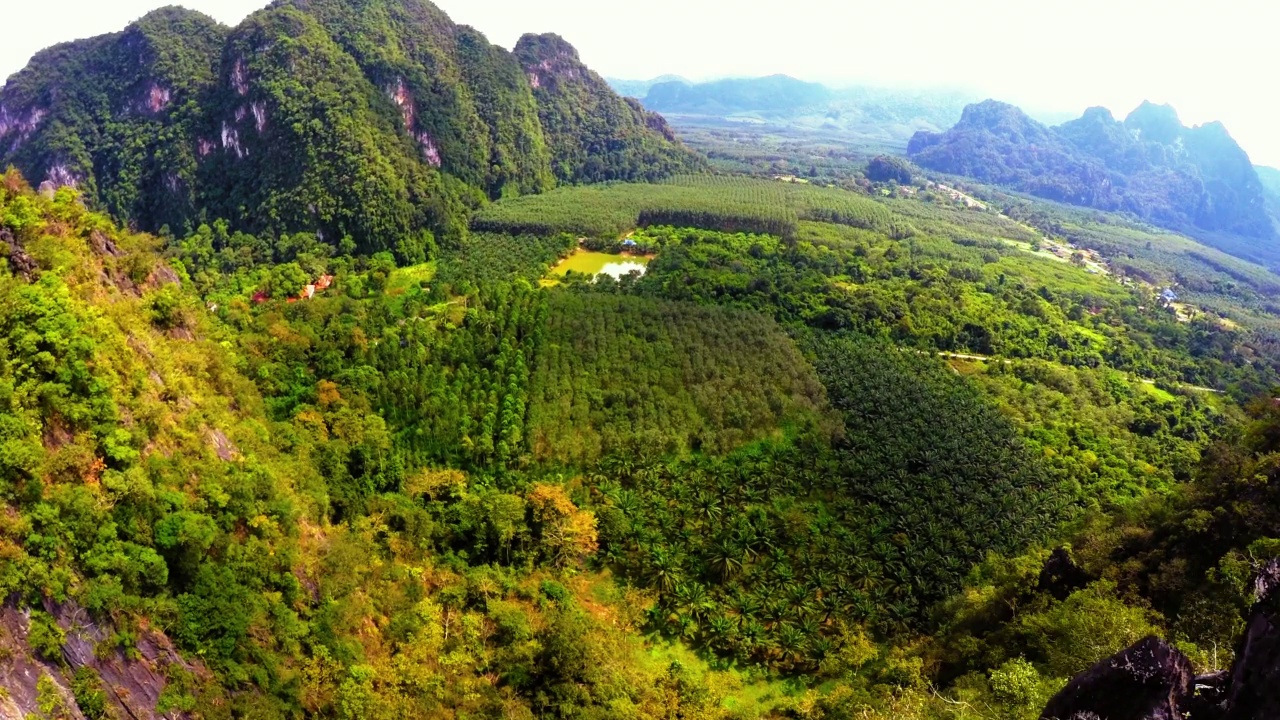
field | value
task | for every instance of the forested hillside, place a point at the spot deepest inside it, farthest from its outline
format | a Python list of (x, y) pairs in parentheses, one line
[(812, 464), (1151, 166), (88, 114), (377, 124), (353, 367), (596, 136)]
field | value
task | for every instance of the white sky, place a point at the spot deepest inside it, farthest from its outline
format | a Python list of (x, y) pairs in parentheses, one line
[(1211, 59)]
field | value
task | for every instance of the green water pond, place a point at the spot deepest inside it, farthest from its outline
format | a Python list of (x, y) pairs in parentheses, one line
[(598, 263)]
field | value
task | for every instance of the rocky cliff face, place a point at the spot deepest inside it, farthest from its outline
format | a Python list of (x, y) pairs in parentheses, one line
[(367, 119), (1149, 165), (88, 677)]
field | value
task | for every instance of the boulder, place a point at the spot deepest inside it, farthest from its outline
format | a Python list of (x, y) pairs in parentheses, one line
[(1154, 681), (1061, 576), (1151, 680)]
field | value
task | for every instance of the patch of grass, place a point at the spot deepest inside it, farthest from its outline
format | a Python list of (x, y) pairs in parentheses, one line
[(1027, 248), (751, 692), (1156, 392), (1064, 278), (410, 277)]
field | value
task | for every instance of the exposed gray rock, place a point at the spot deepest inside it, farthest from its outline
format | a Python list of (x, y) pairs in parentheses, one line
[(163, 275), (19, 261), (222, 446), (132, 684), (1254, 690), (1149, 681)]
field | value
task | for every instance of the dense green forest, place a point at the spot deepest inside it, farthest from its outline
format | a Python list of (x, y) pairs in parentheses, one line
[(709, 201), (810, 464)]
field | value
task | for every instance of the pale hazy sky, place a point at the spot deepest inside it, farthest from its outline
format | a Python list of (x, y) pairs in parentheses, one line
[(1211, 59)]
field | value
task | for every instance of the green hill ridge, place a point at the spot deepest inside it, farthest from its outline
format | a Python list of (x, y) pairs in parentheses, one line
[(1196, 180), (369, 122)]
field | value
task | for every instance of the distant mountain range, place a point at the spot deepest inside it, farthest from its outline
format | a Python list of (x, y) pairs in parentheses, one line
[(890, 116), (639, 88), (1150, 165), (776, 95), (365, 120)]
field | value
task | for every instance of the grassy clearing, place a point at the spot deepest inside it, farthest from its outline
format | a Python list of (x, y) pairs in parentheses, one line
[(413, 276), (1159, 393)]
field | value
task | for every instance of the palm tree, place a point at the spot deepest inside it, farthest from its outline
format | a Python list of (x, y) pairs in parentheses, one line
[(664, 570), (724, 559), (692, 599), (790, 643)]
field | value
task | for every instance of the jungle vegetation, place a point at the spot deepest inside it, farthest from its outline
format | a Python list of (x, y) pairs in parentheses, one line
[(809, 465)]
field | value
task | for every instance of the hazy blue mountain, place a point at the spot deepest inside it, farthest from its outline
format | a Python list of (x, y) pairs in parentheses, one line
[(769, 95), (639, 88), (881, 115), (1150, 164), (1270, 179)]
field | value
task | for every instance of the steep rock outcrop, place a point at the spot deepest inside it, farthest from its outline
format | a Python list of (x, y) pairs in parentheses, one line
[(464, 100), (76, 114), (1253, 692), (1061, 576), (302, 140), (130, 686), (1149, 681)]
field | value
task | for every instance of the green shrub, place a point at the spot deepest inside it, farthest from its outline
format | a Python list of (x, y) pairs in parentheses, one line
[(45, 637)]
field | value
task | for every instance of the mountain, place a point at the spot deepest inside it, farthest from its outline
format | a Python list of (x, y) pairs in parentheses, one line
[(639, 88), (594, 134), (368, 121), (998, 143), (1150, 165), (117, 115), (773, 94), (1270, 179), (865, 114)]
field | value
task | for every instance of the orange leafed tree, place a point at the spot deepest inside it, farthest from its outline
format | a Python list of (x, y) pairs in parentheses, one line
[(567, 534)]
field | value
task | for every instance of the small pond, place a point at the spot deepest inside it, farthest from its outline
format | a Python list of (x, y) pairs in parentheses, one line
[(597, 263)]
